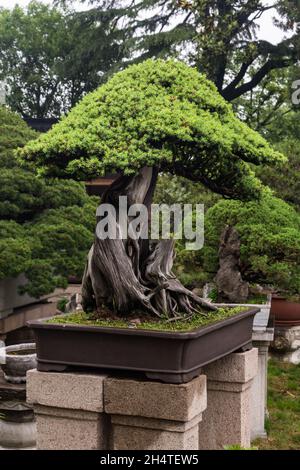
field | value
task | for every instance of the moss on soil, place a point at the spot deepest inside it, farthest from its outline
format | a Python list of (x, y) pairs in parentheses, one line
[(199, 320)]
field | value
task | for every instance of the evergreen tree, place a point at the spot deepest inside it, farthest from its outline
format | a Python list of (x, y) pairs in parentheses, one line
[(46, 227), (219, 37), (50, 57)]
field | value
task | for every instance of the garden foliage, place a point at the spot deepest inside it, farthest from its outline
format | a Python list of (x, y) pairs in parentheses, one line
[(46, 226), (270, 241)]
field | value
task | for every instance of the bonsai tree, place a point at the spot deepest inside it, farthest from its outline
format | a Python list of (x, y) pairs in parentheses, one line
[(269, 232), (46, 226), (154, 116)]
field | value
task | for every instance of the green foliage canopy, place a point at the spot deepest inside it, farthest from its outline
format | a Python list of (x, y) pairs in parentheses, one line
[(286, 181), (283, 132), (157, 113), (270, 240), (46, 226), (50, 57), (14, 133)]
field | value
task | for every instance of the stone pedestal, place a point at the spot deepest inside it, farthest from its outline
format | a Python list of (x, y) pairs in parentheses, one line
[(90, 411), (155, 416), (86, 411), (286, 344), (259, 388), (68, 410), (227, 420)]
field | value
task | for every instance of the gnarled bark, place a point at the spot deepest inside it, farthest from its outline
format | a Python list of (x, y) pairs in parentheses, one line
[(230, 283), (135, 274)]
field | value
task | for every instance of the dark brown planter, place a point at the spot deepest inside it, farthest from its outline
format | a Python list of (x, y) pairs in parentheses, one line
[(286, 313), (166, 356)]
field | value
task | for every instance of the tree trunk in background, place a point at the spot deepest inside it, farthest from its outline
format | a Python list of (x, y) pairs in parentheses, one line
[(231, 286)]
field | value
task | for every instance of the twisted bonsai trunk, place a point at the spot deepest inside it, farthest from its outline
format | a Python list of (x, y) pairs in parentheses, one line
[(124, 275)]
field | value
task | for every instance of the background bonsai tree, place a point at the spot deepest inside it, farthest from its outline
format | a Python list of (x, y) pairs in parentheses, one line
[(154, 116), (46, 226), (275, 259)]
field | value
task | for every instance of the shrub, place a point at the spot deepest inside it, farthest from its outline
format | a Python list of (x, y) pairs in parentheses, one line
[(270, 240), (47, 225), (286, 180)]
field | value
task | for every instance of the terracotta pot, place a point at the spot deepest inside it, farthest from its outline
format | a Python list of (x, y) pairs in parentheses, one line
[(285, 312), (173, 357)]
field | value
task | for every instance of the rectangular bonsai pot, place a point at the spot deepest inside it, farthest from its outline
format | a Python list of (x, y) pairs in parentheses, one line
[(172, 357)]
